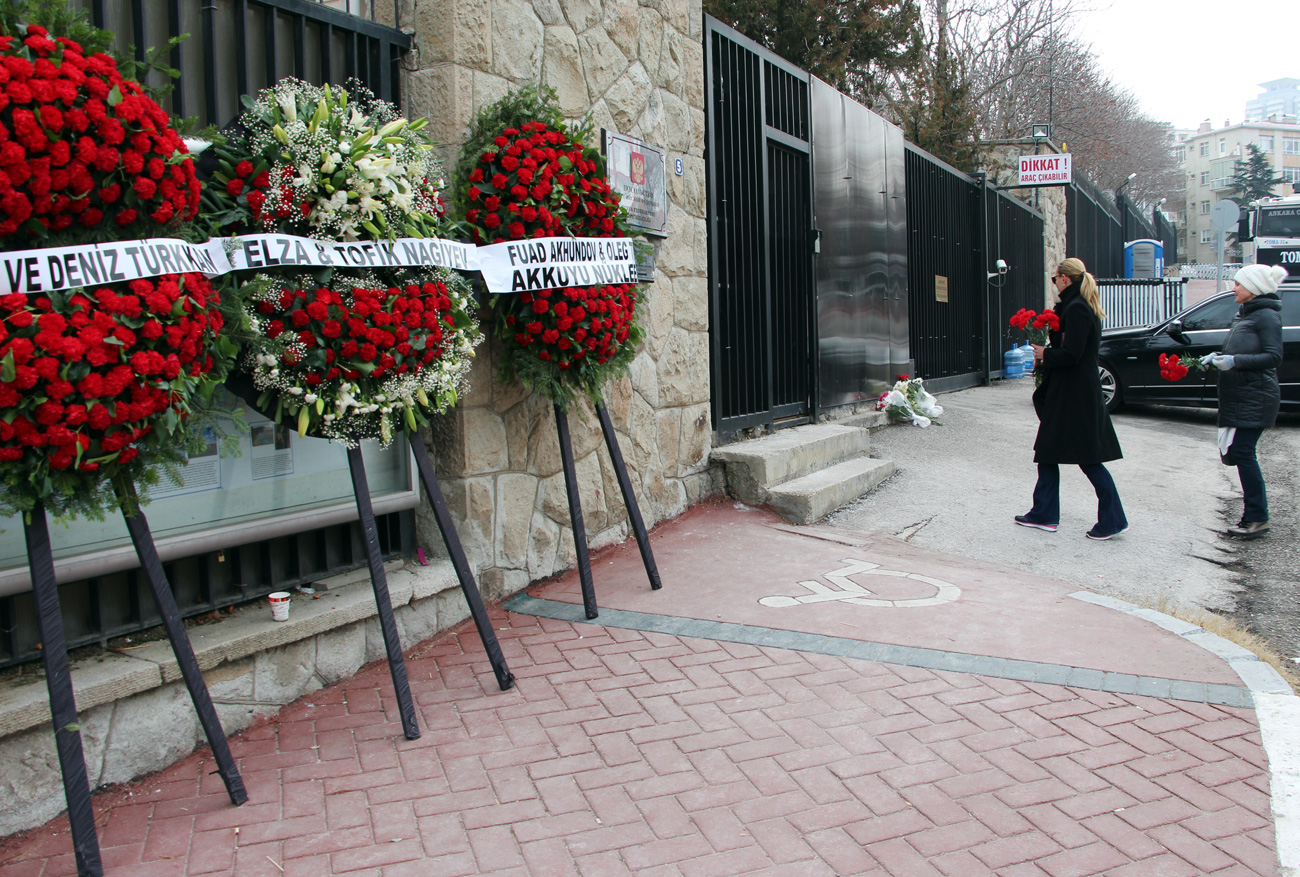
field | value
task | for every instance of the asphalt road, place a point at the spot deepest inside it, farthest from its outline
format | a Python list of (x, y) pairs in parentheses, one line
[(960, 484)]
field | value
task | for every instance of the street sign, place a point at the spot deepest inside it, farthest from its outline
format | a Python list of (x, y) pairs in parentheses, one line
[(1224, 216), (1045, 170)]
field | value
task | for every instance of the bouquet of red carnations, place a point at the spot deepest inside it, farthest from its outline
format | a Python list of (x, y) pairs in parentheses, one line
[(525, 174), (1175, 367), (1037, 327), (96, 381)]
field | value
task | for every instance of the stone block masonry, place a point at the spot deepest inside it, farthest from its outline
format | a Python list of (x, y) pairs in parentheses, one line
[(636, 68)]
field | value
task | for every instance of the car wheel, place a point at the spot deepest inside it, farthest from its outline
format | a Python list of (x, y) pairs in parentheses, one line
[(1110, 391)]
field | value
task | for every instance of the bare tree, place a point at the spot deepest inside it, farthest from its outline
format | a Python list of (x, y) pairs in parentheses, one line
[(996, 68)]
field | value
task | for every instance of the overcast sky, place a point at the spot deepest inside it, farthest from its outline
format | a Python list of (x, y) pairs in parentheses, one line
[(1194, 59)]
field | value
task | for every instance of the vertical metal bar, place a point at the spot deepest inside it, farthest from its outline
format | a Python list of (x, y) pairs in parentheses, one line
[(63, 705), (383, 601), (326, 52), (241, 50), (575, 514), (300, 46), (137, 28), (272, 46), (141, 537), (97, 13), (211, 108), (450, 538), (629, 497), (176, 60), (385, 64)]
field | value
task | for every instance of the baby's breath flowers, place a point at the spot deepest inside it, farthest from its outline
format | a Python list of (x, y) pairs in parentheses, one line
[(325, 162)]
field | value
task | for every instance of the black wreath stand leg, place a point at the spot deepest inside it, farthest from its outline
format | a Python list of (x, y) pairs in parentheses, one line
[(63, 706), (575, 513), (141, 536), (575, 506), (629, 498), (383, 602), (450, 538)]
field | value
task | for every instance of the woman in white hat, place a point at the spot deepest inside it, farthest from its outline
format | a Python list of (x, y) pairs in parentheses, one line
[(1248, 390)]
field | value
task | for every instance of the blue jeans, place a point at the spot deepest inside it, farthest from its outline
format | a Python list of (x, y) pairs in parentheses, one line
[(1047, 497), (1242, 455)]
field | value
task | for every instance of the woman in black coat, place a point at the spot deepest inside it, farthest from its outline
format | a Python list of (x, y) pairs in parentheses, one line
[(1248, 390), (1073, 424)]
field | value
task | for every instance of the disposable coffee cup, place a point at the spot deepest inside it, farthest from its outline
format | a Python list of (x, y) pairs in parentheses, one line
[(279, 605)]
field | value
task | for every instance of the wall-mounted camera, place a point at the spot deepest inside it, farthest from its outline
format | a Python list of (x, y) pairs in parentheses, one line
[(1001, 265)]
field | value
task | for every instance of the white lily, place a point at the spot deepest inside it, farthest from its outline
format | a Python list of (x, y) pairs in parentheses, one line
[(331, 163), (375, 168), (288, 106)]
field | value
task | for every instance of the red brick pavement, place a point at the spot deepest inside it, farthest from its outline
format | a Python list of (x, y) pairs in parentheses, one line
[(625, 752)]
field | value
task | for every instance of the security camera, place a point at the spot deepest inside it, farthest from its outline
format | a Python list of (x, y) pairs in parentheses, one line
[(1001, 266)]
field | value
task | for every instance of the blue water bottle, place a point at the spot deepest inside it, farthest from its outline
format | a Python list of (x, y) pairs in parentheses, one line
[(1013, 365), (1027, 364)]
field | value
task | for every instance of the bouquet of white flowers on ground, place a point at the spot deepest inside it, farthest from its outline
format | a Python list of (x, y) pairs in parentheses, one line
[(909, 400)]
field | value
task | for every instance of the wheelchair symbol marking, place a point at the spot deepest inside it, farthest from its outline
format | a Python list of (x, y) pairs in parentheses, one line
[(844, 590)]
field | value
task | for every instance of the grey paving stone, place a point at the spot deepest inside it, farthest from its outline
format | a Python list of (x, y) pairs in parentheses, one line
[(1153, 687), (1120, 683), (1053, 674)]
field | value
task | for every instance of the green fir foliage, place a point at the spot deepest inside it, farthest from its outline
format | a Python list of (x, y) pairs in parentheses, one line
[(1254, 178)]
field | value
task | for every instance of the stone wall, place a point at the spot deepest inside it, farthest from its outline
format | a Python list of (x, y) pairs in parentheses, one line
[(638, 69)]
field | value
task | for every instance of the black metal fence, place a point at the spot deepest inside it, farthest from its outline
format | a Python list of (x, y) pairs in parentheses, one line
[(1016, 237), (1167, 234), (1094, 231), (958, 230), (237, 47), (1134, 302), (98, 609), (945, 260), (1134, 224)]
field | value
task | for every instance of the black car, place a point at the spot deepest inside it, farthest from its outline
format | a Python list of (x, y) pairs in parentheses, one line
[(1129, 358)]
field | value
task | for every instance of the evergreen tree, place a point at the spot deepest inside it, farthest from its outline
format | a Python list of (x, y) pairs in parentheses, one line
[(1253, 178)]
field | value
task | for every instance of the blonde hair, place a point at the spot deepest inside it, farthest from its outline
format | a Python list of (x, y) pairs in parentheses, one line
[(1078, 273)]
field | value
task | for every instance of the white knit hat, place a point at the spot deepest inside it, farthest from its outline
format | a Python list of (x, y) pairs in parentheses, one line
[(1261, 279)]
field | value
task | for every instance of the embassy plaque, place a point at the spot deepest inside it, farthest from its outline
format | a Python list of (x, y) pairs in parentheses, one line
[(638, 172)]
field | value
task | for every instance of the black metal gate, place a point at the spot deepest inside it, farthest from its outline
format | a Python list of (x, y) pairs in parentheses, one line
[(760, 240)]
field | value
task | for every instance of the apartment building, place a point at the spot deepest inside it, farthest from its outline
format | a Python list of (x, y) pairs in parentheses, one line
[(1211, 156)]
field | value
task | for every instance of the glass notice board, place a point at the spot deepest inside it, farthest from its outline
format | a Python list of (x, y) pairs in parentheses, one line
[(279, 483)]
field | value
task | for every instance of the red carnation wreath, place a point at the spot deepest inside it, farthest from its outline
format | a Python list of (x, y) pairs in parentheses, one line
[(83, 150), (524, 174), (95, 382)]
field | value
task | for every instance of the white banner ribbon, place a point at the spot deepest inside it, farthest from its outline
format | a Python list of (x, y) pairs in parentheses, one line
[(511, 266), (258, 251), (53, 269), (551, 263)]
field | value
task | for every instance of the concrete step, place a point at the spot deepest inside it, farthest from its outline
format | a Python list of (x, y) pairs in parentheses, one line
[(813, 497), (754, 467), (872, 420)]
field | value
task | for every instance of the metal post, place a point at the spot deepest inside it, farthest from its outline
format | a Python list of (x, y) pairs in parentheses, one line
[(451, 539), (575, 514), (63, 705), (379, 580), (629, 498), (138, 526)]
